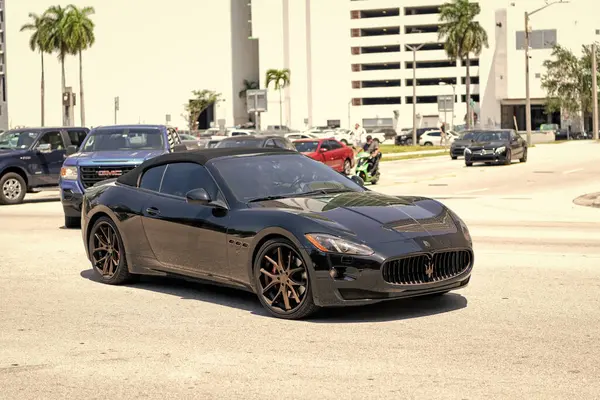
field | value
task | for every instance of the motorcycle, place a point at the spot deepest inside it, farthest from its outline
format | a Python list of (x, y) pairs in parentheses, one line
[(362, 166)]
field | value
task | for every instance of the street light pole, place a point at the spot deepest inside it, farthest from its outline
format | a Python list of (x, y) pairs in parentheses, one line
[(595, 91), (527, 90), (414, 50)]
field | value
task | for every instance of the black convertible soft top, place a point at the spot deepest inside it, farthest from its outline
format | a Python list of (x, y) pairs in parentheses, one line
[(195, 156)]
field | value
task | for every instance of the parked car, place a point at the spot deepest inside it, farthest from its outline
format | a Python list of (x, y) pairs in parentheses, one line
[(273, 141), (434, 138), (404, 138), (328, 151), (109, 152), (31, 158), (191, 142), (458, 146), (496, 146), (275, 223)]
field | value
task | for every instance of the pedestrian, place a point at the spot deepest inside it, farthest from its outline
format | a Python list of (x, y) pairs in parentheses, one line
[(358, 134), (444, 135)]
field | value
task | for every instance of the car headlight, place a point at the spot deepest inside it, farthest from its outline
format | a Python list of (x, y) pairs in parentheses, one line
[(334, 244), (69, 173), (500, 150)]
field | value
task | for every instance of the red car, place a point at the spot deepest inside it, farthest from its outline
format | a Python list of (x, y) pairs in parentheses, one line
[(329, 151)]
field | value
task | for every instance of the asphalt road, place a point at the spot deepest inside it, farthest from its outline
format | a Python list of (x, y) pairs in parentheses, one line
[(525, 328)]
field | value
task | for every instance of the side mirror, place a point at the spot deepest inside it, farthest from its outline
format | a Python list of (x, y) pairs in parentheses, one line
[(198, 196), (44, 147), (71, 150), (179, 148), (358, 180)]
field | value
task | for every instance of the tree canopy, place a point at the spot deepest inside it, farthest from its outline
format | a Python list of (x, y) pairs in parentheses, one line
[(568, 80)]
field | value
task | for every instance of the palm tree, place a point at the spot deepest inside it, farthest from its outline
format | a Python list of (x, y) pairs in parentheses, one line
[(463, 36), (79, 32), (248, 85), (281, 79), (39, 42), (57, 36)]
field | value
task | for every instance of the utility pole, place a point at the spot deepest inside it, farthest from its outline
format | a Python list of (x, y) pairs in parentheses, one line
[(414, 50), (527, 91), (595, 91), (116, 108)]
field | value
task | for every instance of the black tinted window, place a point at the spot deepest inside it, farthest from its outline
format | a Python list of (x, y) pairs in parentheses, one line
[(152, 178), (180, 178), (77, 137)]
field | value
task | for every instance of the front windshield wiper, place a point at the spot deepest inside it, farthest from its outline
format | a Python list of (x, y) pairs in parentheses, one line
[(5, 147), (265, 198), (325, 191)]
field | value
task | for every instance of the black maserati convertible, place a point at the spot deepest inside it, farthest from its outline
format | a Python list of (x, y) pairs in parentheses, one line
[(277, 223)]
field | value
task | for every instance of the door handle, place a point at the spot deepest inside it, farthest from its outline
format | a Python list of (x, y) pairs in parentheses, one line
[(152, 211)]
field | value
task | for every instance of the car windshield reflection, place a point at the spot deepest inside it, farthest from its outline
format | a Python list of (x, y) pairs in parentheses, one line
[(268, 177), (17, 139)]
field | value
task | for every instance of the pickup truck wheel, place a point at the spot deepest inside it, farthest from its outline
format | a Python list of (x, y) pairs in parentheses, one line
[(72, 222), (12, 189)]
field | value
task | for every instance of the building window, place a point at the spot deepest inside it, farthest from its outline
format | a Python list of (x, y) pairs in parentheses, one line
[(421, 10), (474, 80), (390, 30), (425, 46), (377, 101), (380, 49), (472, 62), (475, 98), (539, 39), (384, 12), (432, 81), (432, 64), (380, 83), (379, 66), (421, 29), (422, 100)]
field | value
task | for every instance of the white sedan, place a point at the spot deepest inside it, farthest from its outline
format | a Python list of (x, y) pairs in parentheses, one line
[(434, 138)]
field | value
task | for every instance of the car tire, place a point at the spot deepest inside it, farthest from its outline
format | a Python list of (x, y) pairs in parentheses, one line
[(524, 158), (103, 237), (12, 189), (427, 144), (409, 142), (264, 270), (508, 159), (72, 222), (347, 167), (469, 163), (454, 157)]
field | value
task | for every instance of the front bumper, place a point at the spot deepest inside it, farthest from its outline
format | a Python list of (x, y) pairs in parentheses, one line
[(71, 197), (457, 151), (487, 156), (362, 283)]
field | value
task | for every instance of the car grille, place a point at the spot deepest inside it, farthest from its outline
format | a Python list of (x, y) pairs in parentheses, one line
[(427, 268), (92, 175)]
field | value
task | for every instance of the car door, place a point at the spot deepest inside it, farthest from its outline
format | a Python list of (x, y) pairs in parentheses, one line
[(188, 238), (337, 155), (51, 152), (325, 151), (516, 145)]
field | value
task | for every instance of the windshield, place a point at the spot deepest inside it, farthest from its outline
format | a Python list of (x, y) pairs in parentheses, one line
[(239, 143), (17, 139), (307, 147), (469, 136), (281, 175), (492, 136), (113, 139)]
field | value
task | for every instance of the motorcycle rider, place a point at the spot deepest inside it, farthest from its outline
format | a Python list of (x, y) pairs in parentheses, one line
[(372, 147)]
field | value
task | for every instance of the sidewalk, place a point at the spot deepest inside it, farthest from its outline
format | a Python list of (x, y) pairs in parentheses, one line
[(411, 153)]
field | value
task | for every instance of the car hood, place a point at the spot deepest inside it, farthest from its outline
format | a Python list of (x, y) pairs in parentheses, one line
[(123, 157), (11, 152), (373, 217), (489, 145)]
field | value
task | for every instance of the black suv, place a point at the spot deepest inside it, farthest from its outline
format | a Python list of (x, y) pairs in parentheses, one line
[(32, 158)]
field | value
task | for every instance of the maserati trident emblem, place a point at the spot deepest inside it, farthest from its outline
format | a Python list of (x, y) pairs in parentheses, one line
[(429, 269)]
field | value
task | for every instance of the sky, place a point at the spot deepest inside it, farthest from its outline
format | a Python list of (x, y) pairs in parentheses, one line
[(151, 57)]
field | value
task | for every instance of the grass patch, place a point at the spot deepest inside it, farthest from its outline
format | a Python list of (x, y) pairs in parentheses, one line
[(412, 156), (390, 148)]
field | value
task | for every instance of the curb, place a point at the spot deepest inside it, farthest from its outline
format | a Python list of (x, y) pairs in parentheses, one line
[(588, 200)]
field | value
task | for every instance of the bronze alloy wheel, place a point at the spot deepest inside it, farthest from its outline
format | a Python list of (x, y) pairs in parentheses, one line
[(282, 279), (107, 253)]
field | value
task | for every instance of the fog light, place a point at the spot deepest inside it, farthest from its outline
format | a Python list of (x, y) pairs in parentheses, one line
[(333, 273)]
